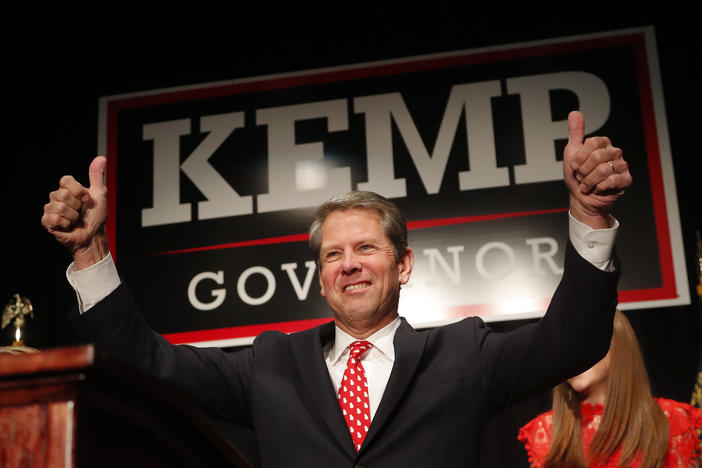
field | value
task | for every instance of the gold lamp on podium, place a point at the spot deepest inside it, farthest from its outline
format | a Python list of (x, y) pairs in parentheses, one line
[(16, 310)]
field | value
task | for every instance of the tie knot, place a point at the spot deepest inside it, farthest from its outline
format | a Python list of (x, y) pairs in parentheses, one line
[(357, 348)]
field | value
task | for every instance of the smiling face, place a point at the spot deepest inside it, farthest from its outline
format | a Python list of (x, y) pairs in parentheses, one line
[(359, 275)]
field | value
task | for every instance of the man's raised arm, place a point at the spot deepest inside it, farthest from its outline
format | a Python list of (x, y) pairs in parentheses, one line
[(76, 216)]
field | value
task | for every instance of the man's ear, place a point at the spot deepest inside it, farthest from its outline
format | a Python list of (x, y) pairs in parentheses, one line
[(405, 265)]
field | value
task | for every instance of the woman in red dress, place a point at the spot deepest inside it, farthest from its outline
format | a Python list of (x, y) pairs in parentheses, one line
[(606, 417)]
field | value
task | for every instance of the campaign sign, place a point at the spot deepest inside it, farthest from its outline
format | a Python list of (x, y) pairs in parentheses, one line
[(212, 187)]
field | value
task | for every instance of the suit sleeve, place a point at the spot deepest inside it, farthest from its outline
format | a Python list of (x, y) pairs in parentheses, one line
[(218, 381), (573, 335)]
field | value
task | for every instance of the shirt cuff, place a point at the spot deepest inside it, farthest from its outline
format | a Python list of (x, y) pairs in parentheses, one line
[(94, 283), (594, 245)]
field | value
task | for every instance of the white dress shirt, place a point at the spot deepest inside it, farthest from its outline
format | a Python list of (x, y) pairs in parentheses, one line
[(377, 361)]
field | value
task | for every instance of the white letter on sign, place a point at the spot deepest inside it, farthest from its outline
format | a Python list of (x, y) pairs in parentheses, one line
[(166, 201), (547, 256), (382, 109), (297, 174), (218, 294), (482, 159), (303, 290), (222, 200), (434, 256), (480, 260), (241, 285), (539, 129)]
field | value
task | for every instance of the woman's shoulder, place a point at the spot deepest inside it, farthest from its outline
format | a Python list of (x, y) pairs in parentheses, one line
[(684, 422), (541, 423), (682, 417), (536, 437)]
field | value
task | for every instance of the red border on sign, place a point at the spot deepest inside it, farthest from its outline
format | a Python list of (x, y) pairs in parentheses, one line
[(245, 331), (667, 290), (411, 225)]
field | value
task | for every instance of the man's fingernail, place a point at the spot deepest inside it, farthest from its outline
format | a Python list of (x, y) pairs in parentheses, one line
[(574, 166), (85, 198)]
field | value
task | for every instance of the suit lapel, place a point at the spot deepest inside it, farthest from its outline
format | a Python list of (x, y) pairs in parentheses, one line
[(409, 348), (315, 388)]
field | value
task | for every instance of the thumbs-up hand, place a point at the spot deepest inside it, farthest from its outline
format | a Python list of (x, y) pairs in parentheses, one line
[(76, 215), (595, 173)]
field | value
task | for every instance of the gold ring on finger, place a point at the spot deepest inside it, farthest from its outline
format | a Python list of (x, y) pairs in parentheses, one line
[(611, 164)]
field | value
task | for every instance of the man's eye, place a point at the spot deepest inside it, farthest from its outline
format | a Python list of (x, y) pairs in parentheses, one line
[(366, 247)]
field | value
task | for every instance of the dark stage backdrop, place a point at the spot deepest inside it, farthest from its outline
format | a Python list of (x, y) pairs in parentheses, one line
[(301, 90)]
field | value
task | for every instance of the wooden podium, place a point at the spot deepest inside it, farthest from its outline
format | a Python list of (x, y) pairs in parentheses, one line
[(68, 407)]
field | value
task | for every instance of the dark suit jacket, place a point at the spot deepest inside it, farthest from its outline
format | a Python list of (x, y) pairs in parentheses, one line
[(445, 384)]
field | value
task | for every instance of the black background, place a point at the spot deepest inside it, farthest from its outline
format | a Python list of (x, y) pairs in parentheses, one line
[(55, 68)]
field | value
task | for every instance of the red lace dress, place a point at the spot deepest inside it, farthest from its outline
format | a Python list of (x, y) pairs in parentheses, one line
[(683, 447)]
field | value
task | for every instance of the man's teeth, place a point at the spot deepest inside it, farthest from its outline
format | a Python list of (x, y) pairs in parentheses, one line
[(356, 286)]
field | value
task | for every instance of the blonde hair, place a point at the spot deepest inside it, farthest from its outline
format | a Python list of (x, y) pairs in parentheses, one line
[(631, 418)]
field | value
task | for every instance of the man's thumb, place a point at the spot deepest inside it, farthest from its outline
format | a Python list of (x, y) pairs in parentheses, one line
[(576, 129), (97, 172)]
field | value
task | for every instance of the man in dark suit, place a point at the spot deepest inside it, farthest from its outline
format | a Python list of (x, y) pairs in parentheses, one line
[(422, 399)]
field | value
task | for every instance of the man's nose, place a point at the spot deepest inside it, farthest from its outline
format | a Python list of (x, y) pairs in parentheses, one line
[(350, 263)]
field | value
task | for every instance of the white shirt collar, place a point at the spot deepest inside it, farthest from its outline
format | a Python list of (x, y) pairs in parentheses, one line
[(382, 340)]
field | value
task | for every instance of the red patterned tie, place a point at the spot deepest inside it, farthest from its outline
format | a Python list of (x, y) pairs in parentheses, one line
[(353, 394)]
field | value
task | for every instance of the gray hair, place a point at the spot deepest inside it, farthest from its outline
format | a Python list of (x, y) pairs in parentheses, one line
[(391, 219)]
